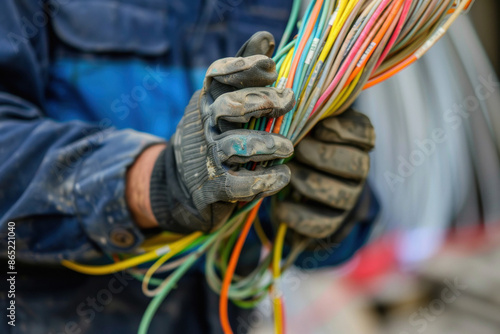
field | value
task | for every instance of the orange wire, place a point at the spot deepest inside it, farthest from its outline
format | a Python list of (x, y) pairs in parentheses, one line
[(298, 54), (386, 75), (452, 10), (233, 261), (302, 44), (394, 11), (404, 64), (277, 125)]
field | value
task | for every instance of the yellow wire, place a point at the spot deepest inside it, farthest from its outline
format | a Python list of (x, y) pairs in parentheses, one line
[(344, 9), (343, 96), (278, 251), (252, 123), (174, 249), (132, 262), (160, 240), (285, 68)]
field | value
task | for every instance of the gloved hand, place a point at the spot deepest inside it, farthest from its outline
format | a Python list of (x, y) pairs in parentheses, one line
[(328, 174), (197, 180)]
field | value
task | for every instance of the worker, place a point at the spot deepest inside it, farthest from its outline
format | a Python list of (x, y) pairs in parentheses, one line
[(106, 141)]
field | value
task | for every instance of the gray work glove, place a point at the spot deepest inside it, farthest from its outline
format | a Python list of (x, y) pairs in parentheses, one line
[(328, 174), (197, 180)]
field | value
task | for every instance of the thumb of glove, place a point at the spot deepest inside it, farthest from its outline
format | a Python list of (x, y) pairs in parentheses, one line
[(261, 43)]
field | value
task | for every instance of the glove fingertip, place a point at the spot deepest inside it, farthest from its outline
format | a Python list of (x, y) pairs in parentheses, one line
[(261, 43)]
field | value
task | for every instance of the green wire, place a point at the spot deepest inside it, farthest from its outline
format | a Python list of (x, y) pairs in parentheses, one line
[(244, 288), (183, 268), (321, 27), (247, 304), (291, 23), (158, 299), (257, 123), (227, 249), (282, 52), (300, 35), (246, 282), (139, 277)]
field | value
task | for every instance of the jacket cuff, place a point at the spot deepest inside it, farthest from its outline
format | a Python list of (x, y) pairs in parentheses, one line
[(99, 191)]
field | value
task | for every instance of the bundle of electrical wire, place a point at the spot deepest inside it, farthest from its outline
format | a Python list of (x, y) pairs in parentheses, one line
[(341, 48)]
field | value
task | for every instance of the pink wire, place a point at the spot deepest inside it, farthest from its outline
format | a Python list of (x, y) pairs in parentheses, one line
[(399, 27), (364, 34)]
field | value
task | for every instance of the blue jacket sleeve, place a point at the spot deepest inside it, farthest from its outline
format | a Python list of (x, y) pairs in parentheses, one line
[(61, 183)]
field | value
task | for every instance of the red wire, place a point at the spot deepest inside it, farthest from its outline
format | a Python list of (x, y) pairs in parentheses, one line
[(395, 35), (388, 18)]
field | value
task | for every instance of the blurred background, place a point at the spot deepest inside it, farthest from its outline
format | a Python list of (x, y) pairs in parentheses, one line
[(484, 15), (433, 264)]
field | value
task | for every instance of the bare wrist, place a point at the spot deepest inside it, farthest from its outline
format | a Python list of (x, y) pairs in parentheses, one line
[(137, 186)]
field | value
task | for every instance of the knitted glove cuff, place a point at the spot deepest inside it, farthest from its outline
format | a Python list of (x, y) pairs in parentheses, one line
[(171, 204)]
